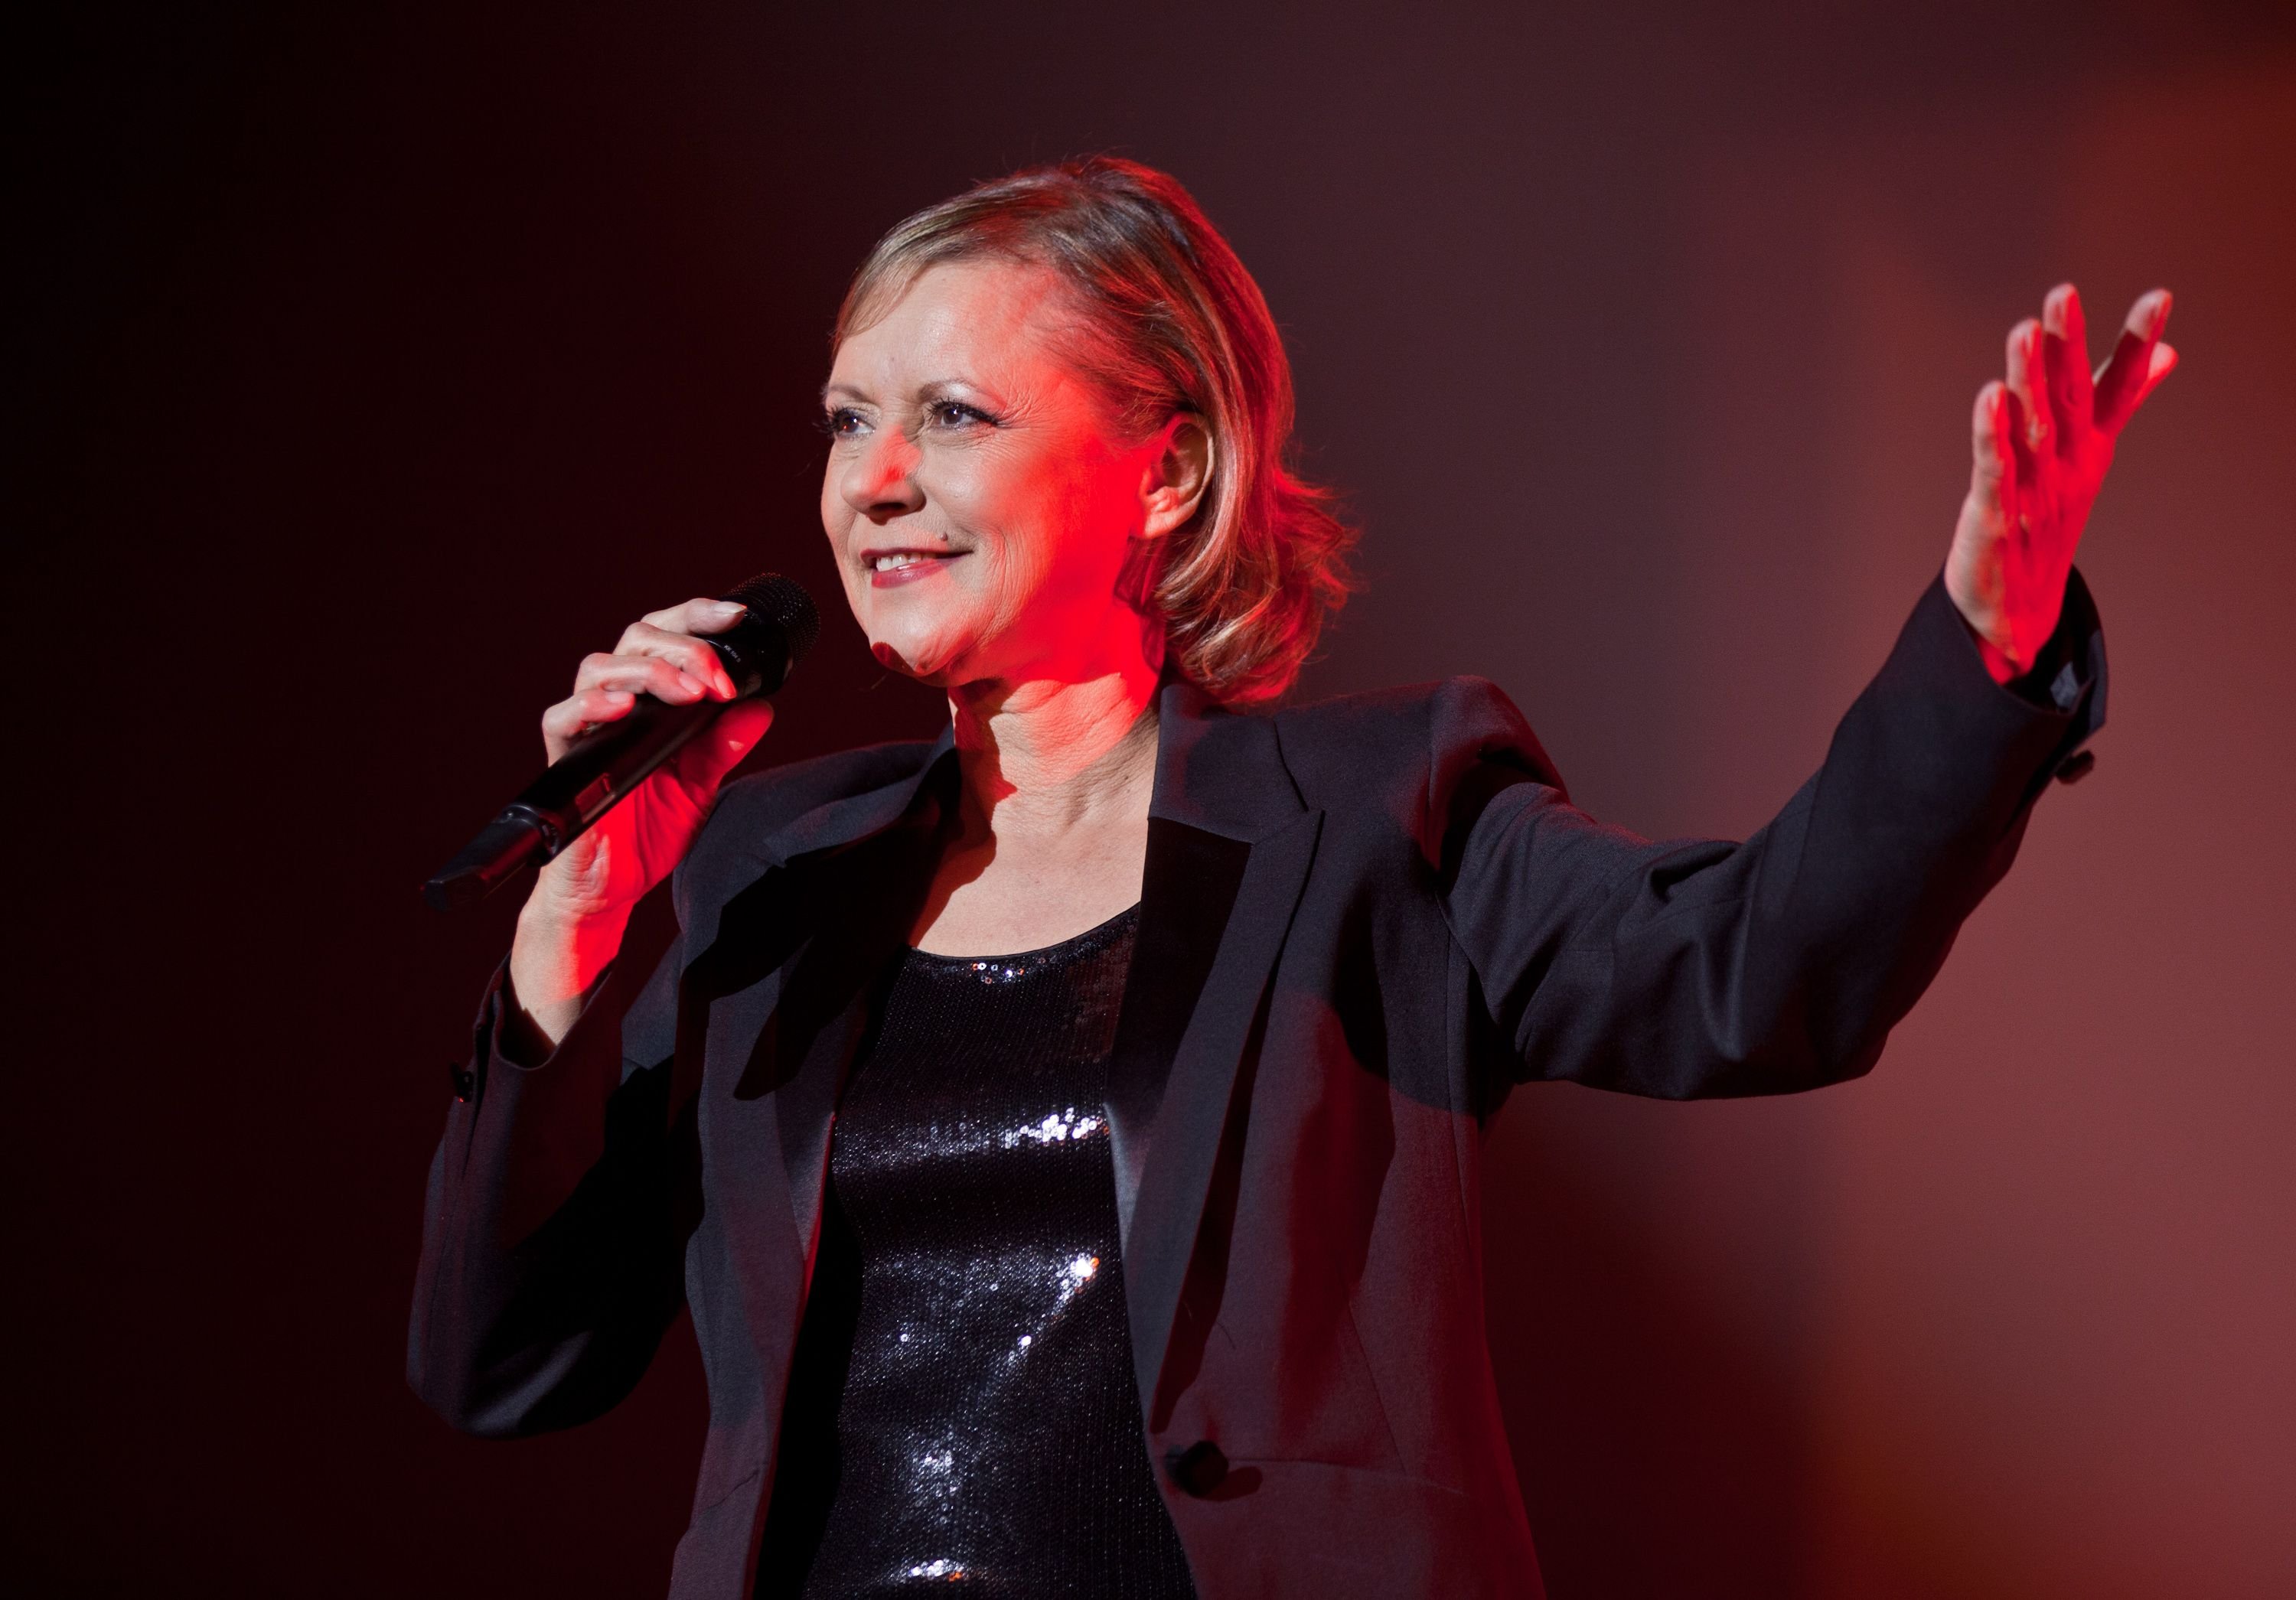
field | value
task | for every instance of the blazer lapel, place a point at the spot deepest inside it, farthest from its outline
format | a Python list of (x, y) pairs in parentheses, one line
[(1229, 847), (781, 996)]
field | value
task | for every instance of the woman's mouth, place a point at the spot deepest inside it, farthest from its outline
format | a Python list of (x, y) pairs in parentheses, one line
[(892, 567)]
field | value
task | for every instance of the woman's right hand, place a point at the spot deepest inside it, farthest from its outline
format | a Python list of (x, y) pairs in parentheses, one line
[(572, 924)]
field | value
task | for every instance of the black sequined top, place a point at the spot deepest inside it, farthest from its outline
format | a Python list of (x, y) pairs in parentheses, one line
[(961, 1416)]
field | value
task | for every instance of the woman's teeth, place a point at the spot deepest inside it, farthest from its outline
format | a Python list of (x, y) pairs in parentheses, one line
[(891, 564)]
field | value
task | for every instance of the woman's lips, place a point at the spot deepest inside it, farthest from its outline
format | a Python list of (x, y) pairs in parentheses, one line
[(917, 567)]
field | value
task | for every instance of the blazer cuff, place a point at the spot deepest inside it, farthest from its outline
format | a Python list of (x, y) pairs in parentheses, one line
[(2065, 686), (501, 1032), (492, 1093)]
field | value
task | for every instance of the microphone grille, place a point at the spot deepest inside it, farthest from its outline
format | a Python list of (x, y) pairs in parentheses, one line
[(784, 603)]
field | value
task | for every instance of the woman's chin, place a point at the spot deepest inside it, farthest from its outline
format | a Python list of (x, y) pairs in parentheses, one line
[(926, 658)]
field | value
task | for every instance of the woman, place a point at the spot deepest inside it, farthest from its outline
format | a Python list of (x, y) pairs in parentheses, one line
[(1145, 1260)]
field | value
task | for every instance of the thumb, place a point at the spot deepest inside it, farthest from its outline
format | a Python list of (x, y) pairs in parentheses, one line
[(715, 750)]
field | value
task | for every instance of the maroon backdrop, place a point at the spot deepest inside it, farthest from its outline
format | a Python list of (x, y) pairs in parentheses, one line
[(367, 372)]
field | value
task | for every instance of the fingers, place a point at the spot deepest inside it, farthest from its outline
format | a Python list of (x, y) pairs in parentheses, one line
[(704, 759), (659, 675), (565, 723), (2162, 363), (665, 655), (690, 655), (2064, 348), (696, 617), (2132, 370), (2035, 421), (1993, 465)]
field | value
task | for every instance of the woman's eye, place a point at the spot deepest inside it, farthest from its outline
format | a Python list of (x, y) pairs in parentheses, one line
[(955, 414), (841, 422)]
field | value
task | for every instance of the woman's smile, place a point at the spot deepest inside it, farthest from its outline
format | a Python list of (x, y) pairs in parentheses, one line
[(889, 569)]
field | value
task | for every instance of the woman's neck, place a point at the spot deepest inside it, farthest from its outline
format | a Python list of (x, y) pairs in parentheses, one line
[(1052, 829), (1043, 756)]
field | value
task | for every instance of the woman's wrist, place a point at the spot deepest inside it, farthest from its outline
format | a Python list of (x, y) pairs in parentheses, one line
[(556, 959), (1998, 663), (1988, 627)]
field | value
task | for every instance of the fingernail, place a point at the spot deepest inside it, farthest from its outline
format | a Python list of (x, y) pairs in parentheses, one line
[(688, 681), (2162, 300), (728, 608)]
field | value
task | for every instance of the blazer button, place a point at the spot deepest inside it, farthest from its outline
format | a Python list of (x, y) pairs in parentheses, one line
[(2076, 766), (1198, 1469), (462, 1080)]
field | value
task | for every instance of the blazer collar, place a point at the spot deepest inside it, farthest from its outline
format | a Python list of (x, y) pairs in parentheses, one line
[(1216, 771), (853, 817)]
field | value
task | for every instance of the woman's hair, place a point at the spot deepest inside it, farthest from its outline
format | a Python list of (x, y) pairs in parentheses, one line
[(1171, 322)]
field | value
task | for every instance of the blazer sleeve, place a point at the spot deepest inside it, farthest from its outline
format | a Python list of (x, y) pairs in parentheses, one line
[(552, 1245), (1698, 967)]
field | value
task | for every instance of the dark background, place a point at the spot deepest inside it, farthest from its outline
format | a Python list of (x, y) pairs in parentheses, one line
[(365, 371)]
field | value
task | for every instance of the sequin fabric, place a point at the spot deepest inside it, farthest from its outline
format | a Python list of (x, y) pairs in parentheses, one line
[(961, 1416)]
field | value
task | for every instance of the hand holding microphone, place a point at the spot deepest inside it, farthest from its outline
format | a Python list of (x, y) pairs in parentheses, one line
[(636, 754)]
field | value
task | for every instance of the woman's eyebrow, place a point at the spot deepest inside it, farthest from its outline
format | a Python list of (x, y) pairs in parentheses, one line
[(958, 389), (938, 388)]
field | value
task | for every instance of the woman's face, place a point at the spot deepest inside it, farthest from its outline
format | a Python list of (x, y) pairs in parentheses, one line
[(980, 503)]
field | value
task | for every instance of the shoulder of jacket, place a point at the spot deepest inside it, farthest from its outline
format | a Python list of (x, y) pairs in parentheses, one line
[(1408, 722), (759, 803), (1386, 748)]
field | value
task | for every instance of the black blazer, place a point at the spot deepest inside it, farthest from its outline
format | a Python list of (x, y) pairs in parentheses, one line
[(1361, 923)]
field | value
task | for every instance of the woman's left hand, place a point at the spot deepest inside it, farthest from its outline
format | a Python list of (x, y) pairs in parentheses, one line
[(2043, 442)]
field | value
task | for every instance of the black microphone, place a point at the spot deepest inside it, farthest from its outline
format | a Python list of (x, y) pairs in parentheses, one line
[(758, 650)]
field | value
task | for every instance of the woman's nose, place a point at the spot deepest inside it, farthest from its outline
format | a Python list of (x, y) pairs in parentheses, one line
[(881, 482)]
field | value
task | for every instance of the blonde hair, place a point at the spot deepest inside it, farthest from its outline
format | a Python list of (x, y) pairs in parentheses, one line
[(1172, 322)]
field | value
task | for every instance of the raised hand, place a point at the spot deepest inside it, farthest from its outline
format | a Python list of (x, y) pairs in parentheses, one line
[(572, 924), (2044, 440)]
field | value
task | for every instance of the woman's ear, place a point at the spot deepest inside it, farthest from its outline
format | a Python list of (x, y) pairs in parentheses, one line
[(1179, 470)]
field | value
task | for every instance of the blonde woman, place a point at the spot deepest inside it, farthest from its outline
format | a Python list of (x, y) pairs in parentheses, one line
[(1065, 1132)]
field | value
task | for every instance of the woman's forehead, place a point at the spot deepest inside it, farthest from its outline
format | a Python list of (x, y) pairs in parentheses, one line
[(980, 318)]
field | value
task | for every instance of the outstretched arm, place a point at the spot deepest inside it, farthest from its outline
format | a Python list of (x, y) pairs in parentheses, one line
[(1698, 967)]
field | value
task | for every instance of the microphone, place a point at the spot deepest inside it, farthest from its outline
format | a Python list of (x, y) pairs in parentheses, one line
[(554, 810)]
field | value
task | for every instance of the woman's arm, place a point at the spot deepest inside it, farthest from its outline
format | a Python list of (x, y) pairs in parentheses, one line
[(552, 1237), (553, 1241), (1703, 967)]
